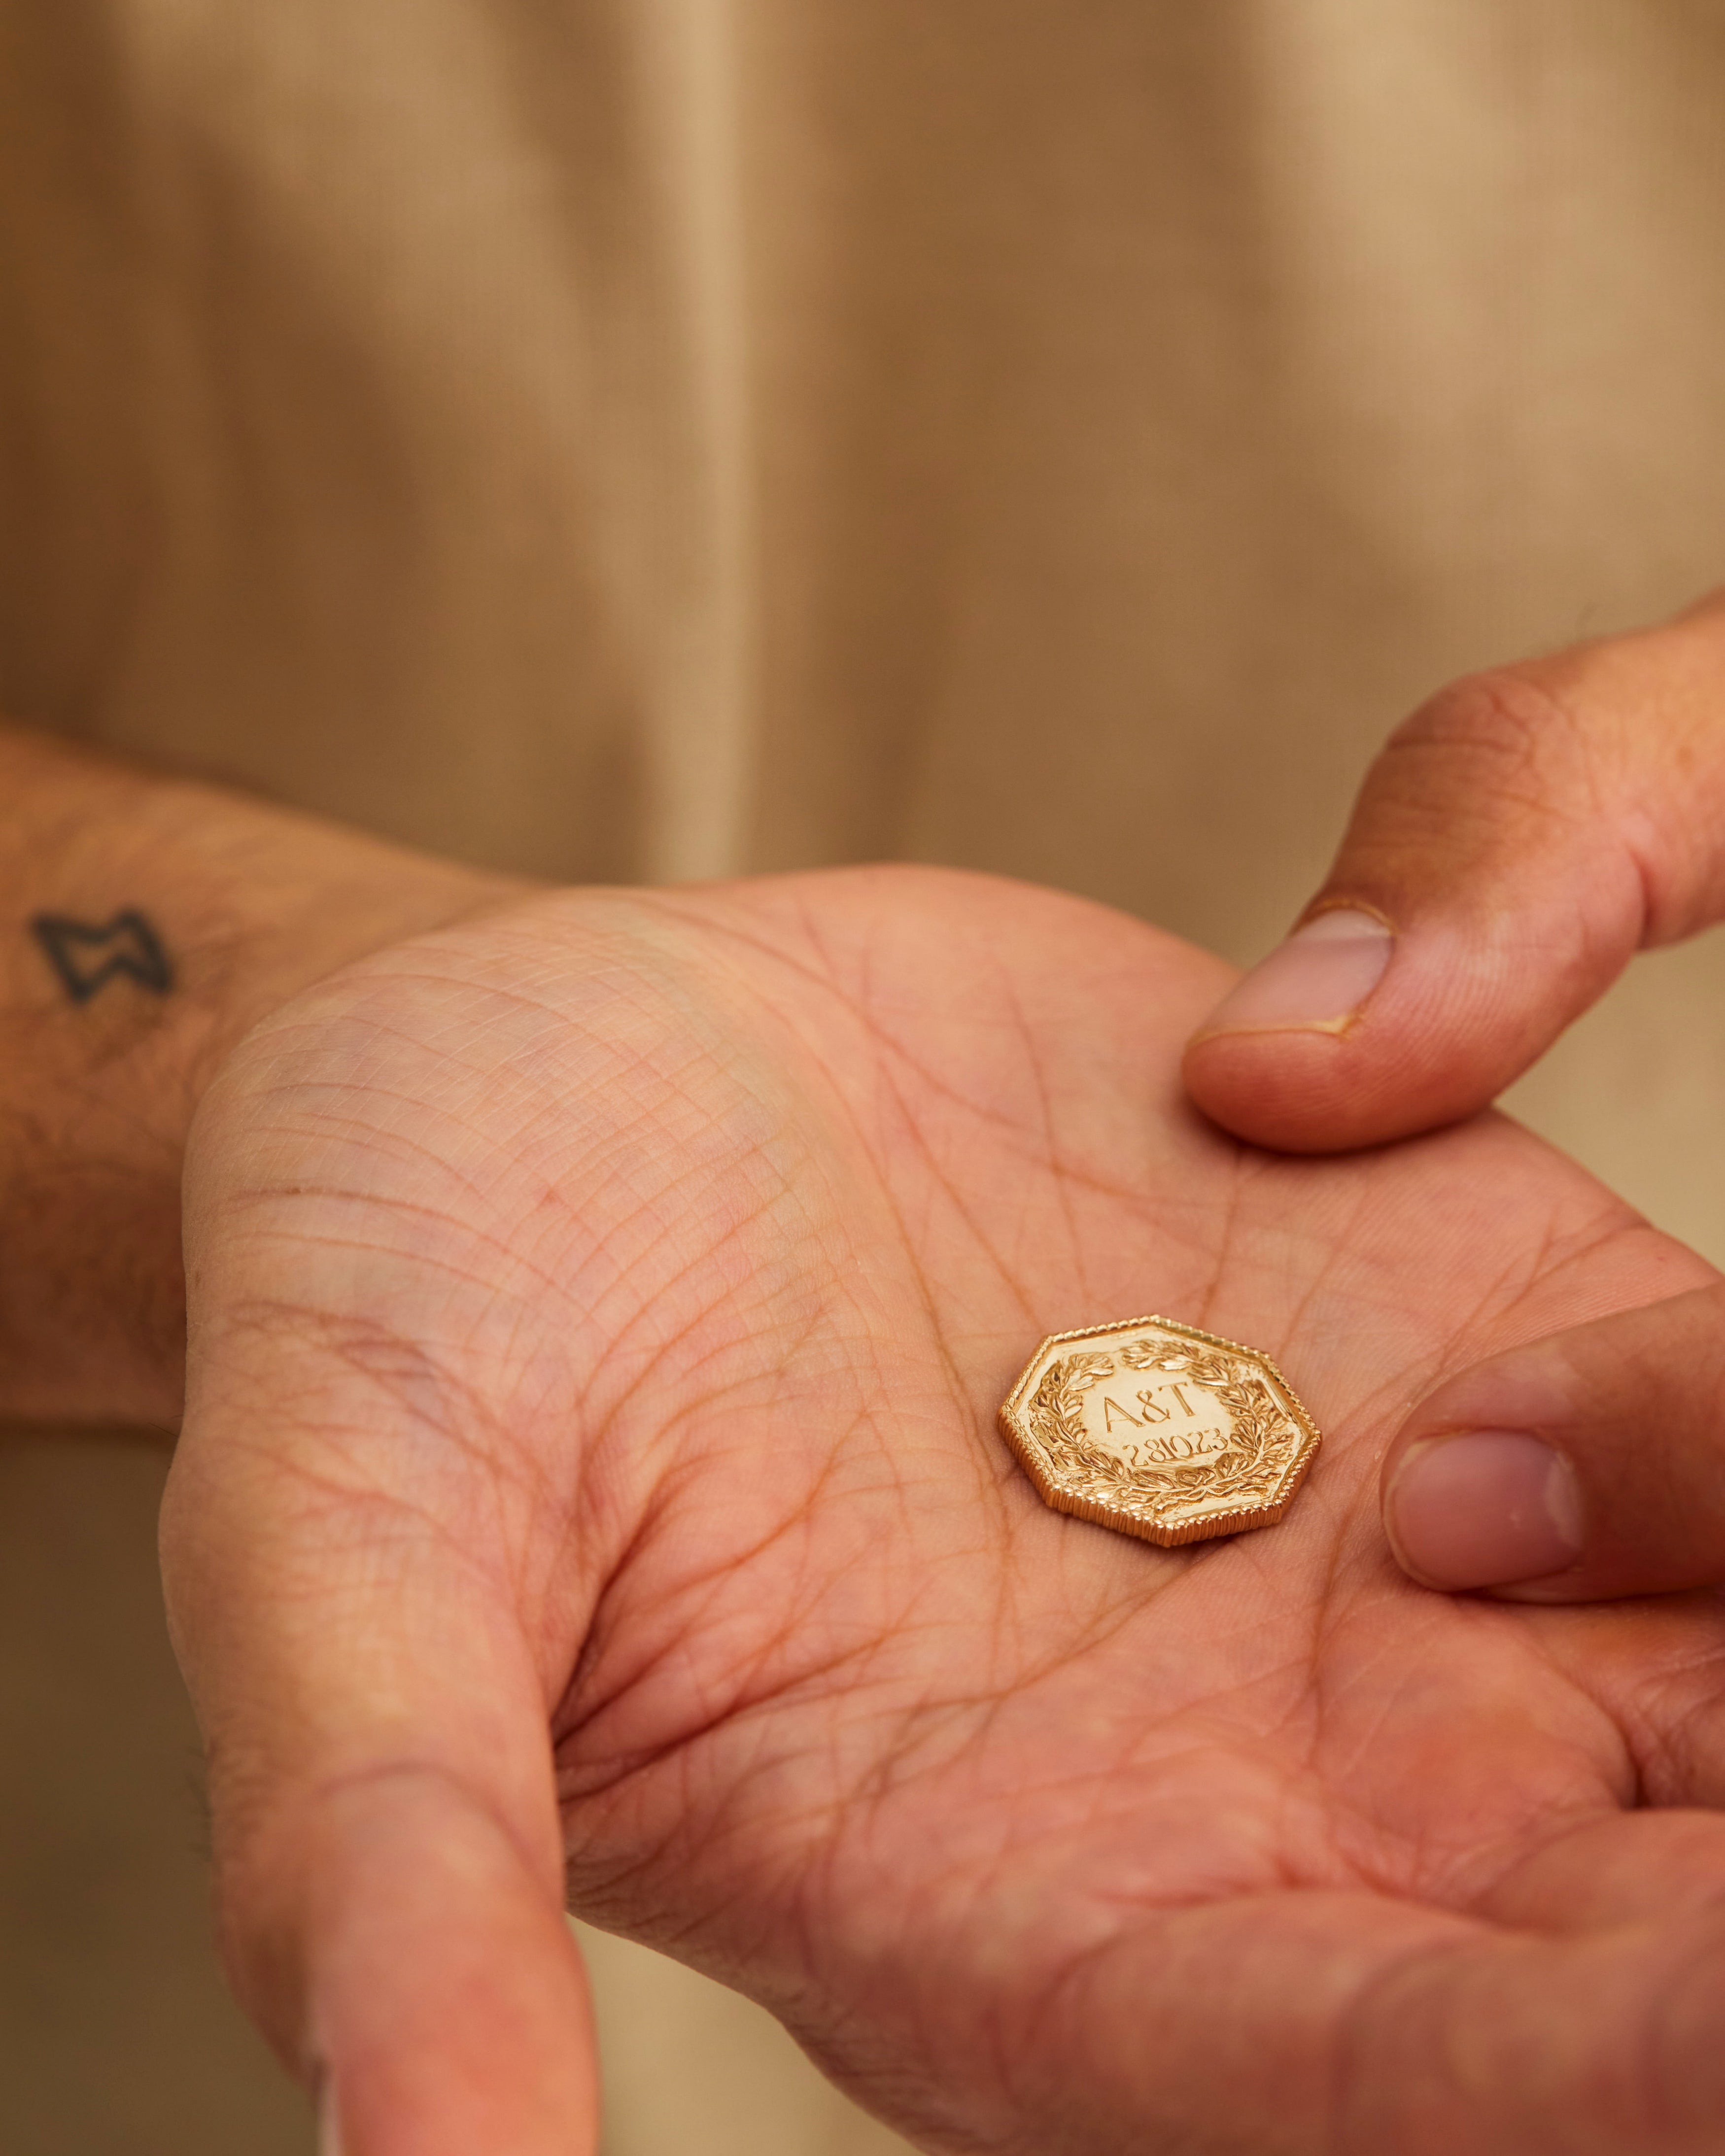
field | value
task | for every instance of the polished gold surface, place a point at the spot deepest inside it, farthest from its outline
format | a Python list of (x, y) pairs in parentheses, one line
[(1160, 1430)]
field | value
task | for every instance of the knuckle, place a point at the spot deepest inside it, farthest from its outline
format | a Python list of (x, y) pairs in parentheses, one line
[(1504, 722), (1498, 765)]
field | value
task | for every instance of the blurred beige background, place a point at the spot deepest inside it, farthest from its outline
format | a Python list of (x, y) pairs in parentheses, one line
[(669, 438)]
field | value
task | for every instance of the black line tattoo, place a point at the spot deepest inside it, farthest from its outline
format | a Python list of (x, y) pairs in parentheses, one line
[(87, 957)]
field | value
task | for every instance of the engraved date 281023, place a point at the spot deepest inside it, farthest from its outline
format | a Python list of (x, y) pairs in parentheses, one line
[(1189, 1438)]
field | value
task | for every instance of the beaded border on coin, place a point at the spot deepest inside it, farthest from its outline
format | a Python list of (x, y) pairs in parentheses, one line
[(1272, 1439)]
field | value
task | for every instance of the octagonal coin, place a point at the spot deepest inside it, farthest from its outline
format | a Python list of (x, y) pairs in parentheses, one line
[(1160, 1430)]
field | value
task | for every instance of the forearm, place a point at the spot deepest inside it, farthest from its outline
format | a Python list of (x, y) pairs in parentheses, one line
[(146, 923)]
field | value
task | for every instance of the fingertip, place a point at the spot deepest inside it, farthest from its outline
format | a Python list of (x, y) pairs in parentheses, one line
[(1434, 1034), (1282, 1089), (1271, 1062), (1482, 1509), (1582, 1466), (400, 1938)]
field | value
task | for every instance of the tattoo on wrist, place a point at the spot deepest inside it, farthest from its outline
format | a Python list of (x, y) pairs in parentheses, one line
[(85, 955)]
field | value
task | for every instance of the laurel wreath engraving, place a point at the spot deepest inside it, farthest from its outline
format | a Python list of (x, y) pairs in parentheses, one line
[(1246, 1473)]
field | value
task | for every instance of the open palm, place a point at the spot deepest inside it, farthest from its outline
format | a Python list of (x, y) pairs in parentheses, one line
[(600, 1313)]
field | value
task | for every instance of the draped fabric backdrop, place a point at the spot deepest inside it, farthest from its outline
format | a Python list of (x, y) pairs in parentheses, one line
[(662, 438)]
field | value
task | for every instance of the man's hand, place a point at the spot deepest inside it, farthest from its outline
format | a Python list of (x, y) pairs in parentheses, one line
[(1518, 841), (599, 1314)]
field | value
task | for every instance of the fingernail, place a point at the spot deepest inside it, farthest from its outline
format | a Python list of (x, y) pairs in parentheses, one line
[(1492, 1508), (1318, 978)]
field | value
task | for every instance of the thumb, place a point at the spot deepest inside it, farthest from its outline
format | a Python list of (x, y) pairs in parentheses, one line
[(388, 1850), (1587, 1465), (1515, 843)]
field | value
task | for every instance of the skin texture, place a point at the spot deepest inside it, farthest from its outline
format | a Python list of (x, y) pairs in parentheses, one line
[(599, 1317)]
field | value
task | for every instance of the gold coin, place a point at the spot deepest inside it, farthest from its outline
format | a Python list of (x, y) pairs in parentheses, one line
[(1160, 1430)]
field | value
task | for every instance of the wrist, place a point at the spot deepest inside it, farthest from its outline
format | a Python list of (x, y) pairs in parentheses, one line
[(149, 923)]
